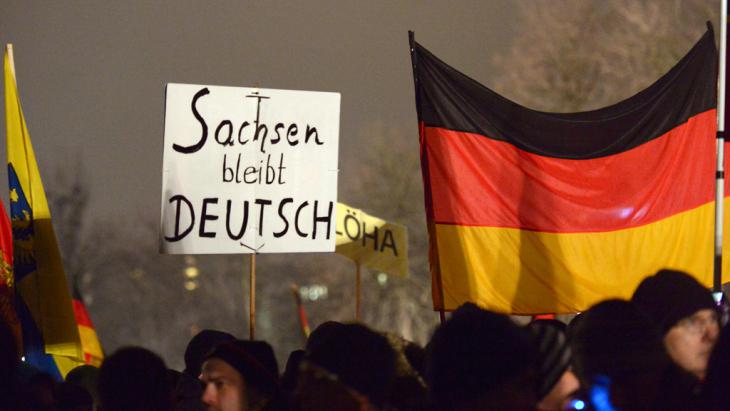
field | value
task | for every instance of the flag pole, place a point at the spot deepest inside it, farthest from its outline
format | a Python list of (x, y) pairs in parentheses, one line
[(357, 291), (251, 296), (720, 175), (433, 255)]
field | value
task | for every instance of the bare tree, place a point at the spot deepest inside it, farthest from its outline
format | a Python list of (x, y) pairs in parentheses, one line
[(572, 55), (386, 182), (68, 198)]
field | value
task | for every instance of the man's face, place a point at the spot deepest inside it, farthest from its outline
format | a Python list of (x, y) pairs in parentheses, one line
[(560, 395), (224, 388), (691, 340)]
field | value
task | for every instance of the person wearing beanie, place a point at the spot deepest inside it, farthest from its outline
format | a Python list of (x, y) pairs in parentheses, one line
[(686, 314), (480, 360), (199, 346), (350, 367), (188, 390), (241, 376), (619, 358), (556, 383)]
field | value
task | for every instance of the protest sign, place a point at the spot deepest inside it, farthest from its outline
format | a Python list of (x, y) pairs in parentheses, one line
[(371, 241), (248, 170)]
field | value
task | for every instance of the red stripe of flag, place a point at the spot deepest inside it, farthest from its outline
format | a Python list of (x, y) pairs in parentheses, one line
[(479, 181), (82, 316)]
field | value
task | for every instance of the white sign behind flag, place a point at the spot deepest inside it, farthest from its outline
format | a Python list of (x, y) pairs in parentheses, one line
[(249, 170)]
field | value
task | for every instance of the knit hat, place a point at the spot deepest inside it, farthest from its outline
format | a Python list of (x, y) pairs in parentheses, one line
[(668, 296), (254, 360), (200, 345), (474, 352), (553, 354), (615, 339), (359, 357)]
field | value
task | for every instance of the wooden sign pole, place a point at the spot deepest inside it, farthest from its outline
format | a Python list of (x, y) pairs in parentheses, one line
[(252, 296), (357, 291)]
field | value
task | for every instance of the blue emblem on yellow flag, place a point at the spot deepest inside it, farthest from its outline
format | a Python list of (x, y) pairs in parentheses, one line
[(21, 217)]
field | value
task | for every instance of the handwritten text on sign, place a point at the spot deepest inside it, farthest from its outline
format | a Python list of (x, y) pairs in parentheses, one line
[(249, 170), (371, 241)]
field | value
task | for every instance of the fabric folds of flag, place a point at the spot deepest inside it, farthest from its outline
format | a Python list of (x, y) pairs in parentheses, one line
[(50, 336), (532, 212)]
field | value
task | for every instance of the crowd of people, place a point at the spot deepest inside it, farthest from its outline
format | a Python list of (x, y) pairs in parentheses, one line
[(664, 349)]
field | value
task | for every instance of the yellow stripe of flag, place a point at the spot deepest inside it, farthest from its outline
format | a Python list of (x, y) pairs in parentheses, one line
[(519, 271)]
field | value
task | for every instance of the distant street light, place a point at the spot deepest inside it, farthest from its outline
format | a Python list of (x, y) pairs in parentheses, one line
[(191, 273), (313, 292), (191, 285)]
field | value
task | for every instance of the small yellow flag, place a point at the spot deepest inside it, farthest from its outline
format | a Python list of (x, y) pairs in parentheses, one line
[(371, 241)]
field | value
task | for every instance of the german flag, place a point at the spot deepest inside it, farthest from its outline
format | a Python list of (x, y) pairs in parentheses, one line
[(532, 212), (93, 354)]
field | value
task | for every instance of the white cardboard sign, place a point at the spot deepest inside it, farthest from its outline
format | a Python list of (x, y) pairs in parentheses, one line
[(248, 170)]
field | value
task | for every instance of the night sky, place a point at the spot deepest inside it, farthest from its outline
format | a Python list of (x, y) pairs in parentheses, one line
[(92, 75)]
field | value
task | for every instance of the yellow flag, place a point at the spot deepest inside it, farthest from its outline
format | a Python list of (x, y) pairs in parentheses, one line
[(371, 241), (44, 303)]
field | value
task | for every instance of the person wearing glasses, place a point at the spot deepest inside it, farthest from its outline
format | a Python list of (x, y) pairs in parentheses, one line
[(686, 314)]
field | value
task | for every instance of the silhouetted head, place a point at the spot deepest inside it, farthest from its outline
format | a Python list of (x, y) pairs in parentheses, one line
[(478, 358), (350, 367), (41, 391), (321, 333), (71, 397), (614, 338), (86, 377), (556, 382), (618, 350), (134, 378), (291, 371)]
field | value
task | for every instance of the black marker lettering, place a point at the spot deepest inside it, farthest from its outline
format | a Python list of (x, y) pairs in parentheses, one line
[(204, 216), (178, 235), (244, 224), (197, 146), (283, 218)]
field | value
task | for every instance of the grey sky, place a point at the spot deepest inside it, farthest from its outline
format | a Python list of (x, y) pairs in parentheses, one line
[(91, 75)]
